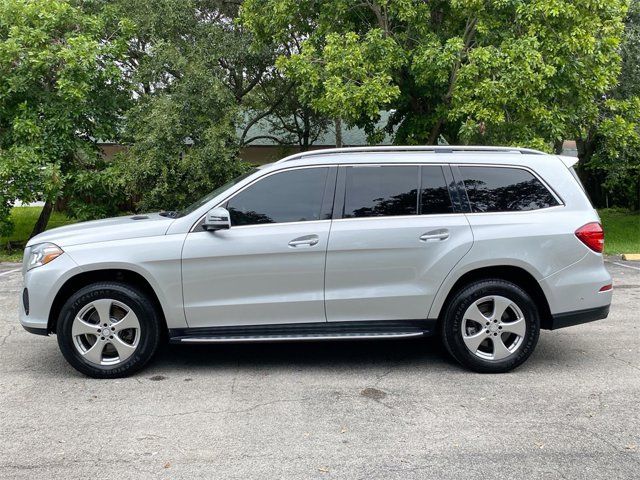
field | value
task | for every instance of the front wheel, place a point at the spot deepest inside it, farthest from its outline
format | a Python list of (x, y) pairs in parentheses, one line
[(108, 330), (491, 326)]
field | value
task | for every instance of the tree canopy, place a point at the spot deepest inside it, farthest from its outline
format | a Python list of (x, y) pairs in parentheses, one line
[(182, 83), (501, 72), (60, 89)]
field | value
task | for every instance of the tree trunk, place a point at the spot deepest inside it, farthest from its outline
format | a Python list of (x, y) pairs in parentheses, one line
[(338, 125), (306, 133), (558, 146), (43, 219)]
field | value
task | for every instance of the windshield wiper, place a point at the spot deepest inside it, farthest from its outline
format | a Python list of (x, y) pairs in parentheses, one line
[(169, 213)]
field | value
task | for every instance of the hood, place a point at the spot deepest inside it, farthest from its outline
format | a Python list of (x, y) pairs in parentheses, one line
[(109, 229)]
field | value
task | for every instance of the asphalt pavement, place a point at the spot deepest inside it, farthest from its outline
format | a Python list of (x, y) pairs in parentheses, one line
[(352, 410)]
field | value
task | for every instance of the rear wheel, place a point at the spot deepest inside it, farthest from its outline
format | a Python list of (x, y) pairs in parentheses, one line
[(108, 330), (491, 326)]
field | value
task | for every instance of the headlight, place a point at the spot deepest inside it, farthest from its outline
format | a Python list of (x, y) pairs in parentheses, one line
[(42, 254)]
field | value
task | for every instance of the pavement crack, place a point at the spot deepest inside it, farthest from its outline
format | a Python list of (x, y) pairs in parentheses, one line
[(384, 374), (6, 337), (635, 367), (225, 410)]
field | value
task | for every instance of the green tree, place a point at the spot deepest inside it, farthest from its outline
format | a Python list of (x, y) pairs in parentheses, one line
[(60, 90), (194, 79), (501, 71), (610, 149)]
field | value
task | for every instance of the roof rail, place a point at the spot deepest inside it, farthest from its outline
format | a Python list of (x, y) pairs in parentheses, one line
[(426, 148)]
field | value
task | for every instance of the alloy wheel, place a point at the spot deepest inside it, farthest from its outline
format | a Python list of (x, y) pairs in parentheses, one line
[(493, 327), (106, 332)]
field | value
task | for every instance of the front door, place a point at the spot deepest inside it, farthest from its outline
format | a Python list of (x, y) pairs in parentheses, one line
[(268, 268), (396, 239)]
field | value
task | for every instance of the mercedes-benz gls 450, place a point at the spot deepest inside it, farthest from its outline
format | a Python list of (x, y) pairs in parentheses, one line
[(482, 246)]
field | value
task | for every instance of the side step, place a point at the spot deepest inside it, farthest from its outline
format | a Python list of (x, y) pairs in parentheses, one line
[(296, 338), (304, 332)]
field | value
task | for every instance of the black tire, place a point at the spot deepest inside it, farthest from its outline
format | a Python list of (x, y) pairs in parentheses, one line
[(452, 324), (147, 316)]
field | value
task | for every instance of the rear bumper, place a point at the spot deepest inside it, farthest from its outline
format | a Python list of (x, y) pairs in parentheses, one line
[(569, 319)]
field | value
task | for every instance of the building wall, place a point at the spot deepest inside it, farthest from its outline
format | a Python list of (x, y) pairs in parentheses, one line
[(255, 154)]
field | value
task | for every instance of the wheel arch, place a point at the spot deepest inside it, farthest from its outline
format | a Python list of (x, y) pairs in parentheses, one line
[(515, 274), (85, 278)]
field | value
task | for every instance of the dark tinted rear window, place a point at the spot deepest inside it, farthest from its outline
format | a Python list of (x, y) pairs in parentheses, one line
[(498, 189), (434, 195), (293, 196), (381, 191)]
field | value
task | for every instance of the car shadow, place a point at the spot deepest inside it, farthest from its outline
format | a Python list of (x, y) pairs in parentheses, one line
[(304, 355)]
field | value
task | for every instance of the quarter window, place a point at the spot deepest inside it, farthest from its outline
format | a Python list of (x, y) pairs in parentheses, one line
[(291, 196), (381, 191), (498, 189)]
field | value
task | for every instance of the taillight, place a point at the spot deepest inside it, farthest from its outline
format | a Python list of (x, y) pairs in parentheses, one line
[(592, 236)]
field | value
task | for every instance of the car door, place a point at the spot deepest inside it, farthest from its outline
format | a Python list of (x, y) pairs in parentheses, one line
[(396, 235), (268, 268)]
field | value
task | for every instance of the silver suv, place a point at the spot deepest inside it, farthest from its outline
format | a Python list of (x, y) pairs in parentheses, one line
[(482, 246)]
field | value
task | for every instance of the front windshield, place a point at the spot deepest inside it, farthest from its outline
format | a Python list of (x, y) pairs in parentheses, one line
[(194, 206)]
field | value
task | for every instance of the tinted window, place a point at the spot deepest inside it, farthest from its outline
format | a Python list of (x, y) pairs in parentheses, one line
[(381, 191), (293, 196), (434, 195), (494, 189)]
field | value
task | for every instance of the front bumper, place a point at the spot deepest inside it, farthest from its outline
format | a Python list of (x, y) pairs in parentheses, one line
[(42, 284), (569, 319), (36, 331)]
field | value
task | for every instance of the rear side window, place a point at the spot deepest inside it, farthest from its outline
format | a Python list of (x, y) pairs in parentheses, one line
[(381, 191), (434, 193), (499, 189), (292, 196)]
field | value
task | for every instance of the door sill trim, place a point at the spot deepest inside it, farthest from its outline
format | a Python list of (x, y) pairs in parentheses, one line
[(296, 332)]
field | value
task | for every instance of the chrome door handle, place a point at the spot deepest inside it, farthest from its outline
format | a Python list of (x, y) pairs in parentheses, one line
[(309, 240), (441, 234)]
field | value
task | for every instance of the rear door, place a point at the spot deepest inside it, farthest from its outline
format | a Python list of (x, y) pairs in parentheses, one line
[(396, 235)]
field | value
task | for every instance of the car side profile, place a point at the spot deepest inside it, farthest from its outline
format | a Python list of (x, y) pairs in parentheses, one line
[(483, 246)]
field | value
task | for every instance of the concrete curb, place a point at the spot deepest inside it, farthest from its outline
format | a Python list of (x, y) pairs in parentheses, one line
[(631, 256)]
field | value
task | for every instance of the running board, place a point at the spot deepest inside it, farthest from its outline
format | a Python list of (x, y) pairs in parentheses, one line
[(297, 338), (304, 332)]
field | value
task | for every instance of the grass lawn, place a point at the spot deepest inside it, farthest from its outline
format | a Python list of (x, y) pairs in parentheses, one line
[(621, 230), (24, 218)]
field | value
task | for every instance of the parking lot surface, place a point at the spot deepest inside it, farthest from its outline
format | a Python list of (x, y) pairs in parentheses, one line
[(368, 410)]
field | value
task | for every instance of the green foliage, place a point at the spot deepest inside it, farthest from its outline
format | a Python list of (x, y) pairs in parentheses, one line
[(615, 140), (98, 192), (187, 65), (502, 72), (622, 230), (174, 79), (367, 62), (23, 219), (60, 88)]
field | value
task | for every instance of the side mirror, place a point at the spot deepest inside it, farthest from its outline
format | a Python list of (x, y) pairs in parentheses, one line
[(217, 219)]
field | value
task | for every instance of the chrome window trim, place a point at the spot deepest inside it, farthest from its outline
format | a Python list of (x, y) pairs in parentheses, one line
[(405, 217), (391, 164), (418, 164), (518, 212), (314, 222)]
